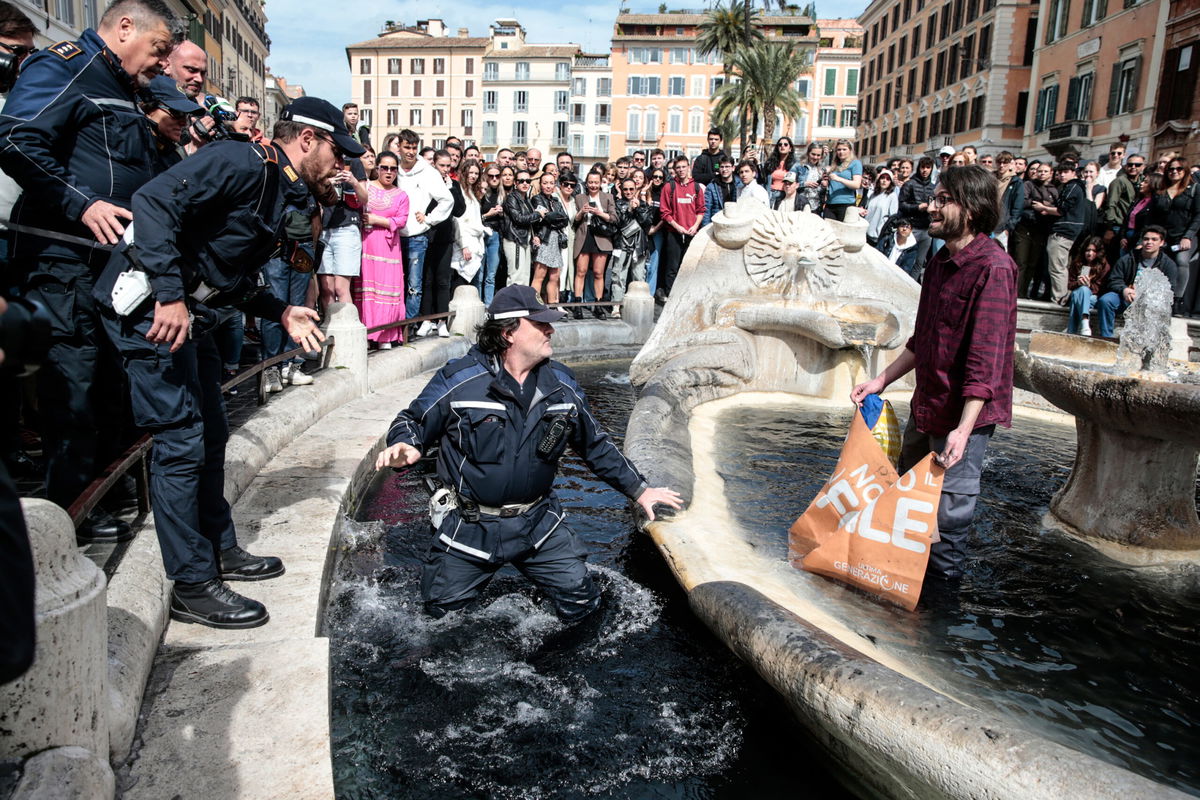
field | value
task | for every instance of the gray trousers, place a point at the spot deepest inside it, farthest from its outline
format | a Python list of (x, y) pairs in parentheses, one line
[(450, 581), (960, 490), (623, 269)]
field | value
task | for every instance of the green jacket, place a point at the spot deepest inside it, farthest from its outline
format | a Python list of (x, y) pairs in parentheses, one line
[(1122, 194)]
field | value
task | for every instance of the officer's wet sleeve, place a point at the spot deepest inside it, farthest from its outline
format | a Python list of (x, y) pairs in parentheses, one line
[(599, 451), (425, 418)]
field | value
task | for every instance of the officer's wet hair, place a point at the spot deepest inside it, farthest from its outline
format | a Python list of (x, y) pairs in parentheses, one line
[(490, 335), (13, 23), (145, 14)]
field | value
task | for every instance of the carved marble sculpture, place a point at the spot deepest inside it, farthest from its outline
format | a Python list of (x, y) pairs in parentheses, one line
[(778, 301)]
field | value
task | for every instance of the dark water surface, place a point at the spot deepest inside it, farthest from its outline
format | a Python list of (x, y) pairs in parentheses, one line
[(503, 703), (1044, 630)]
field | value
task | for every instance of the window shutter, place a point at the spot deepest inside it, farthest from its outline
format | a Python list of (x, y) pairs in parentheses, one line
[(1135, 83), (1073, 98), (1040, 115), (1113, 89), (1165, 109), (1101, 9)]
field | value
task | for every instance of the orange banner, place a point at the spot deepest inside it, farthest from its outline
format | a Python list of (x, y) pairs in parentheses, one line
[(868, 526)]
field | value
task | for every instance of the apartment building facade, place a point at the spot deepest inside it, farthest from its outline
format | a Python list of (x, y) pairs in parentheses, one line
[(945, 73), (1177, 114), (421, 77), (590, 110), (830, 111), (663, 87), (527, 91), (1095, 76)]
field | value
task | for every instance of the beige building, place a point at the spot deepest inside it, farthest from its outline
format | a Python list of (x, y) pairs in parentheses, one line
[(421, 77), (527, 91), (831, 91), (590, 123), (944, 73)]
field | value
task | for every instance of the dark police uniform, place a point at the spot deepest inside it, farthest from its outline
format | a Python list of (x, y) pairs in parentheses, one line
[(489, 428), (71, 134), (211, 219)]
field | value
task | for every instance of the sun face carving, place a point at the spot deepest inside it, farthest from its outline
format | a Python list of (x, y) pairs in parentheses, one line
[(797, 253)]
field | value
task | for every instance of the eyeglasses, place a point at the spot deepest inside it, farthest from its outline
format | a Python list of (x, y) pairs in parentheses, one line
[(385, 168), (940, 200), (19, 50)]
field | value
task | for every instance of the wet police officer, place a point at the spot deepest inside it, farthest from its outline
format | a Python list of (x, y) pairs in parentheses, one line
[(202, 230), (503, 415), (75, 140)]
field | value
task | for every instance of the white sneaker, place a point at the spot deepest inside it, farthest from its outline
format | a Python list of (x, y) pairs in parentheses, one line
[(294, 376), (385, 345), (1086, 328), (274, 382), (442, 330), (425, 328)]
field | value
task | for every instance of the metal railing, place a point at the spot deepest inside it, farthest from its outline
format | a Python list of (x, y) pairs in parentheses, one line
[(136, 455)]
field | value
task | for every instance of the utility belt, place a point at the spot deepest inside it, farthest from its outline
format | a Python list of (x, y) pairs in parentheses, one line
[(444, 500)]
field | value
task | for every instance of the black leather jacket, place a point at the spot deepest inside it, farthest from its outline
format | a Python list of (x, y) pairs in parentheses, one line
[(555, 219), (519, 218)]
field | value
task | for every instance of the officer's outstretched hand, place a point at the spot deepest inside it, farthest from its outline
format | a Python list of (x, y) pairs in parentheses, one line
[(398, 455), (171, 324), (650, 496), (301, 324), (104, 221)]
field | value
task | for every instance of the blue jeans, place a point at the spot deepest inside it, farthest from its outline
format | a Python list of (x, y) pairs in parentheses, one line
[(1107, 308), (652, 260), (485, 279), (1081, 303), (292, 288), (414, 248)]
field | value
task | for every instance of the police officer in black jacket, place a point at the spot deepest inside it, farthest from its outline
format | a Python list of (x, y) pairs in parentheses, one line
[(503, 414), (73, 137), (202, 231)]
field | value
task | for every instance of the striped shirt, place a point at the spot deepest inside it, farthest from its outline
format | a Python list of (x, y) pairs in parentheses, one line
[(964, 337)]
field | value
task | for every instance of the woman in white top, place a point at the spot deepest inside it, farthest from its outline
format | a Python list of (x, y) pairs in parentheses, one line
[(882, 205), (751, 188), (469, 231)]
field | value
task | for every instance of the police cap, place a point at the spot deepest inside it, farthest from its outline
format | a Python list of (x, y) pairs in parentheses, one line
[(166, 94), (322, 115), (516, 301)]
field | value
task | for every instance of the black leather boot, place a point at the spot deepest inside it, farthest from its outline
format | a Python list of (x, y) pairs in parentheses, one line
[(599, 313), (236, 564), (214, 604), (577, 312), (102, 527)]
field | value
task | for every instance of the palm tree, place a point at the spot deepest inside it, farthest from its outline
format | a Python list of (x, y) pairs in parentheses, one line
[(723, 32), (767, 74)]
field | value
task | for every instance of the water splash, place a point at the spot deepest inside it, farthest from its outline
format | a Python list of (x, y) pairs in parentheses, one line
[(1146, 337)]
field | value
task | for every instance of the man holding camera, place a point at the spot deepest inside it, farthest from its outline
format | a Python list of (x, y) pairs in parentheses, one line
[(204, 228), (73, 137)]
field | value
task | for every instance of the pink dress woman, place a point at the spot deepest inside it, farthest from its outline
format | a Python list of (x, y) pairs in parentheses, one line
[(379, 291)]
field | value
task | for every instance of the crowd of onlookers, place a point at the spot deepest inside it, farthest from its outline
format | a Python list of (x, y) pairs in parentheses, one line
[(434, 219)]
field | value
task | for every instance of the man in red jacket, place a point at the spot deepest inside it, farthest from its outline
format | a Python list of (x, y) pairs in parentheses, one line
[(682, 207)]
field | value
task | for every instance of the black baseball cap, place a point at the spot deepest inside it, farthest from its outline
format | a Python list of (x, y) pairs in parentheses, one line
[(322, 115), (516, 301), (166, 94)]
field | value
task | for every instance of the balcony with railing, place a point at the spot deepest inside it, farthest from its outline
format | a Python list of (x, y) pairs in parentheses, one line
[(1071, 134)]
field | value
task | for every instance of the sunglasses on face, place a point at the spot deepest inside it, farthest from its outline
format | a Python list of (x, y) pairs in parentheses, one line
[(1138, 164), (386, 168), (524, 180), (19, 50), (656, 177), (1174, 169)]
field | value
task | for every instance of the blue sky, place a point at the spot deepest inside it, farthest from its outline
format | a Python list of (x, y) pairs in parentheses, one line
[(308, 37)]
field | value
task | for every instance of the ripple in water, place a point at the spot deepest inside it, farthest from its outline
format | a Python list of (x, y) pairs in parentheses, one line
[(1043, 630), (504, 702)]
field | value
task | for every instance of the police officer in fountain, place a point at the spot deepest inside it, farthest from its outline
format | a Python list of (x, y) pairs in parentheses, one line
[(201, 232), (502, 416), (75, 140)]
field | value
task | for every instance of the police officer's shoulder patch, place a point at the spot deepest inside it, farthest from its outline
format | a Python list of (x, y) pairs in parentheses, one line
[(291, 173), (65, 50)]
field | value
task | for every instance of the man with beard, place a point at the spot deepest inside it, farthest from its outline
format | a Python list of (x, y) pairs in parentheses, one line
[(72, 136), (204, 228), (962, 350)]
